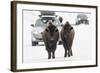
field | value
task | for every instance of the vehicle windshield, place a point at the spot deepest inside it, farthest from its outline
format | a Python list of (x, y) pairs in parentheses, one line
[(42, 22), (82, 16), (39, 23)]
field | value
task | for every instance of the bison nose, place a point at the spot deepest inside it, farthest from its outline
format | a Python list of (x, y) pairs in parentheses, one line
[(51, 40)]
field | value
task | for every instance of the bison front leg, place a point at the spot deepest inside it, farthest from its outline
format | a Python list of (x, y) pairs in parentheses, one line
[(70, 53), (53, 54), (49, 54), (65, 55), (65, 48), (53, 51)]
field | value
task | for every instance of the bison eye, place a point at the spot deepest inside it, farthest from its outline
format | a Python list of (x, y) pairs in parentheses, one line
[(56, 30), (47, 30), (71, 28)]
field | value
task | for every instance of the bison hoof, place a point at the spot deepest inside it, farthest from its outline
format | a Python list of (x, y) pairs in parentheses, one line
[(53, 57), (49, 57), (65, 56), (68, 55)]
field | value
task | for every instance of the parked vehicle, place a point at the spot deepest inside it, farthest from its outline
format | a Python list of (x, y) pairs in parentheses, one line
[(41, 24), (82, 19)]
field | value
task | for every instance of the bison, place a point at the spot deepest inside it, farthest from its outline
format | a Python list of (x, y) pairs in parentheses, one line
[(67, 36), (50, 37)]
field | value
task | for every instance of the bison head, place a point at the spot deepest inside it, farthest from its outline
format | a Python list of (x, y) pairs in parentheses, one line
[(52, 31), (67, 27)]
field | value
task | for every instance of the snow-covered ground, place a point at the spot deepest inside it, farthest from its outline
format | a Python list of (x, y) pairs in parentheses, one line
[(82, 46)]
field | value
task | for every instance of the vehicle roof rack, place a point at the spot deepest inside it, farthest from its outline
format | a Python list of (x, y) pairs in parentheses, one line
[(47, 12)]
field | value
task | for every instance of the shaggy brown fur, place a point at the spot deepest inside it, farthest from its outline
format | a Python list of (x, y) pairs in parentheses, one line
[(67, 36), (50, 37)]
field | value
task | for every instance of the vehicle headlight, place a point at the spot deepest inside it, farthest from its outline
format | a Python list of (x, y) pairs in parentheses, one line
[(36, 32), (79, 19)]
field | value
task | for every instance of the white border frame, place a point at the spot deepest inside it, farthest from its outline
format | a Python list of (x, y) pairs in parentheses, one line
[(50, 64)]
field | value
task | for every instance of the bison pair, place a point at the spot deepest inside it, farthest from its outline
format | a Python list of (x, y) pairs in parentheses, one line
[(51, 36)]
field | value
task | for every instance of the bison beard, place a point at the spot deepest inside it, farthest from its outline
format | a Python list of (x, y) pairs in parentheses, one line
[(67, 36), (50, 37)]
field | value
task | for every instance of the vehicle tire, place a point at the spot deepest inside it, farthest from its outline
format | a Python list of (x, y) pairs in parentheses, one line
[(86, 22), (34, 43), (77, 23), (81, 21), (60, 43)]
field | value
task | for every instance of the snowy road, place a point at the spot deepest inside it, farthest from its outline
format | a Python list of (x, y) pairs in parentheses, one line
[(81, 48)]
